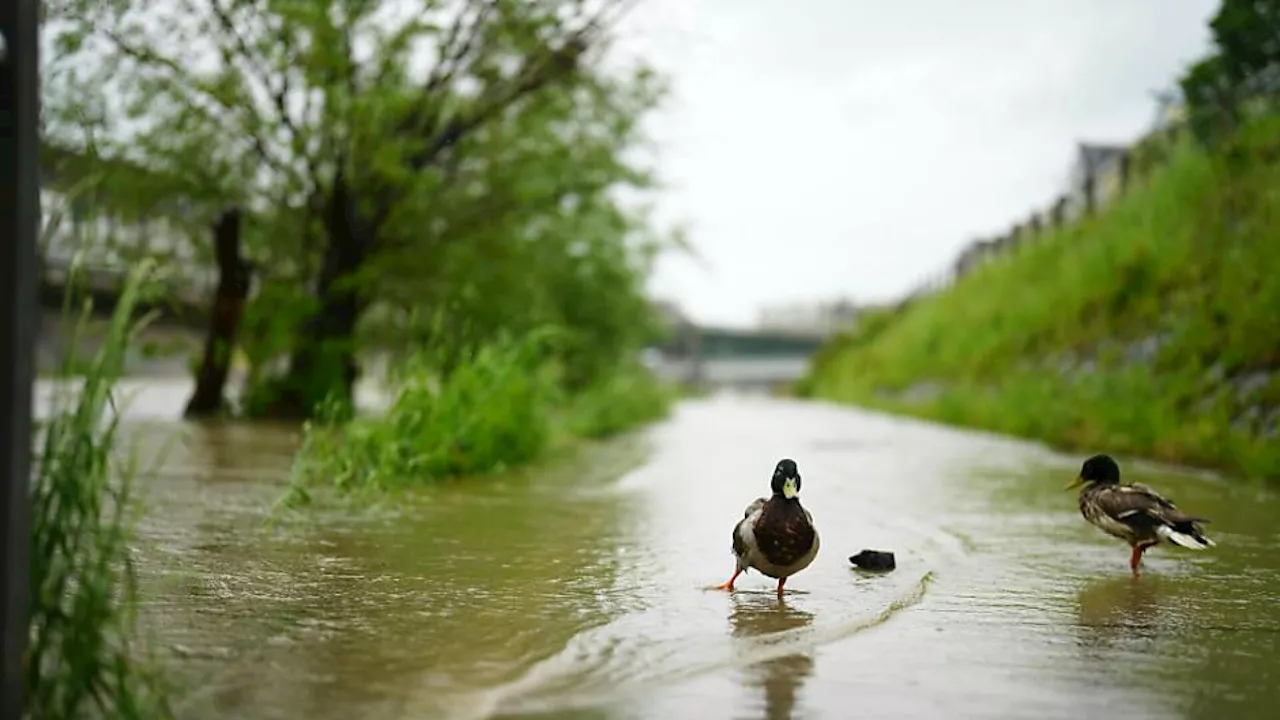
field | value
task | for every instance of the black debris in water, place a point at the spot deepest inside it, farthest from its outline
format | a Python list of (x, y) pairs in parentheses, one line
[(874, 560)]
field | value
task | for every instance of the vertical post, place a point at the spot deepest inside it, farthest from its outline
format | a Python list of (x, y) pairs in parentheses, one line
[(19, 222), (697, 370), (1058, 216)]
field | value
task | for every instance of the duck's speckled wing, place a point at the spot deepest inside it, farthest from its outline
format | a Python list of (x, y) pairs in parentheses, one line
[(1140, 507), (743, 534)]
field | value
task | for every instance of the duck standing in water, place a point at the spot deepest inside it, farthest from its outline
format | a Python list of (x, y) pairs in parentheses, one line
[(1134, 513), (775, 536)]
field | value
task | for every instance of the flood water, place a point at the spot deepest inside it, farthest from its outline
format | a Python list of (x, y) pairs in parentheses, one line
[(577, 590)]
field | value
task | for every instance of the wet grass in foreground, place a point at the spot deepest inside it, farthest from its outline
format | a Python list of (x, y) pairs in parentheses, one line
[(82, 652)]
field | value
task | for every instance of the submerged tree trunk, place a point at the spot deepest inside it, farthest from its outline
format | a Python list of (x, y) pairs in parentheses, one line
[(234, 275), (323, 365)]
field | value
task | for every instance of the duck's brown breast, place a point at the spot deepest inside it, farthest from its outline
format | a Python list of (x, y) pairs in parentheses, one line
[(783, 532)]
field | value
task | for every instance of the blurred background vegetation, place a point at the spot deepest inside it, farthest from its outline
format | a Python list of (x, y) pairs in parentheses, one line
[(375, 206), (352, 208)]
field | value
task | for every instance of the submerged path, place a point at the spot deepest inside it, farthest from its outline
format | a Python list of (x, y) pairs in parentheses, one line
[(576, 591)]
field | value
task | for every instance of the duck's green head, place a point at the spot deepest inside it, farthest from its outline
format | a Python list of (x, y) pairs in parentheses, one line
[(786, 479), (1099, 469)]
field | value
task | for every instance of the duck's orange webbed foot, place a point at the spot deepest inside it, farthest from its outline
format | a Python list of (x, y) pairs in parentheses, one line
[(728, 584)]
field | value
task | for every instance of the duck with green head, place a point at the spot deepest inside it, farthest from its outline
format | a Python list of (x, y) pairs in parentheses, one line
[(1134, 513), (776, 535)]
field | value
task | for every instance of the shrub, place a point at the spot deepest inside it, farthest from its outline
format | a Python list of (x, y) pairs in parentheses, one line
[(491, 412)]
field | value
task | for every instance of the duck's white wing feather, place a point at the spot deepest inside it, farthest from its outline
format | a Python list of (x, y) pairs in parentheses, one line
[(744, 537)]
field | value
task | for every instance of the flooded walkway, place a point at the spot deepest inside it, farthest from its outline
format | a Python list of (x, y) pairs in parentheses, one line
[(576, 590)]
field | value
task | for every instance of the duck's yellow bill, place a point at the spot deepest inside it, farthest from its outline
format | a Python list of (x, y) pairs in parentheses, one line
[(1074, 483)]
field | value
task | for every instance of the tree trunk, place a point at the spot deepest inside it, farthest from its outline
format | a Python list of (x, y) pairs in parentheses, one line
[(234, 276), (323, 365)]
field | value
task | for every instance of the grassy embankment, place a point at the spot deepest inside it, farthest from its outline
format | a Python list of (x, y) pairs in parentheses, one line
[(1152, 328)]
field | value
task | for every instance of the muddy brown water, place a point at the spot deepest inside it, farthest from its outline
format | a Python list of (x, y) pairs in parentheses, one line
[(576, 590)]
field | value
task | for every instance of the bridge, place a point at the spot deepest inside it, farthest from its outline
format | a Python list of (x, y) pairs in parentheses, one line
[(759, 373), (699, 355)]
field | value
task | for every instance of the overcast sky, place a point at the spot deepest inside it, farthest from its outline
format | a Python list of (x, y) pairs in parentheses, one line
[(849, 148)]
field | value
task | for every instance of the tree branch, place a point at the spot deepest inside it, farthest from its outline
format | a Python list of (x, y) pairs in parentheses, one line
[(278, 93), (150, 58), (535, 74), (454, 52)]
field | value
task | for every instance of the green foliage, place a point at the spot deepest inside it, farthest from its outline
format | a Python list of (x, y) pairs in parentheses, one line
[(1144, 329), (482, 189), (82, 656), (1242, 75), (619, 403), (499, 407), (870, 324), (492, 412), (1245, 33)]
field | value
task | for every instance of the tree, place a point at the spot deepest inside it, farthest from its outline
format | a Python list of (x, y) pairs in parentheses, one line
[(419, 154), (1243, 71), (1247, 34), (234, 277)]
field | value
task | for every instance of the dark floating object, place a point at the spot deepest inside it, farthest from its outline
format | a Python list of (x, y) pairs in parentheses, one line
[(874, 560)]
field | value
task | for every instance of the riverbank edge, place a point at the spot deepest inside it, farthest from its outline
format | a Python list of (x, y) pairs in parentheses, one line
[(1184, 459)]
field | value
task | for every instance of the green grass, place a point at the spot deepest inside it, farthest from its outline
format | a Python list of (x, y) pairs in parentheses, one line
[(629, 397), (492, 412), (82, 654), (1042, 342), (501, 408)]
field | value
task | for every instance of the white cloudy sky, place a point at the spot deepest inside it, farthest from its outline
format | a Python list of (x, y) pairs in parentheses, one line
[(851, 147)]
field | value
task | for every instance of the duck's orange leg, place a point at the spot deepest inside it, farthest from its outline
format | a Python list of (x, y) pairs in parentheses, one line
[(1135, 558), (781, 581), (728, 584)]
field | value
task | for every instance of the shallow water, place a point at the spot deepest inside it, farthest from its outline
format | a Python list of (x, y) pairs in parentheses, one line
[(577, 590)]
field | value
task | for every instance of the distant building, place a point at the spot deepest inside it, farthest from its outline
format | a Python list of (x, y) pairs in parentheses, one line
[(1104, 164), (808, 318)]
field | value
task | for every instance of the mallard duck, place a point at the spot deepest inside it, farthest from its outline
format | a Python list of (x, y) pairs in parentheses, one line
[(1134, 513), (775, 536)]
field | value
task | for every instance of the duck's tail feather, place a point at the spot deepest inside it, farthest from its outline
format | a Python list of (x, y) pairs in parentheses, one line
[(1185, 534)]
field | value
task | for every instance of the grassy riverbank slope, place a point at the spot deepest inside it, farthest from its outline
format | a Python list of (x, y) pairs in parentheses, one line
[(1152, 328)]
